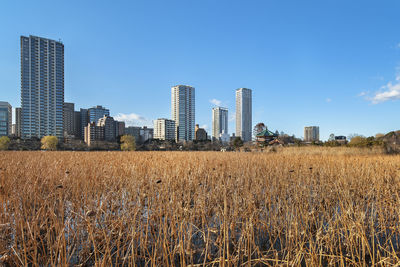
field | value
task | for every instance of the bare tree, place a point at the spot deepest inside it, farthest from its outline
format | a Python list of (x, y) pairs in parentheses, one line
[(259, 128)]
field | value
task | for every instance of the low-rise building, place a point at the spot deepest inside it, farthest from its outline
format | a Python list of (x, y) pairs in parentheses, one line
[(141, 134), (341, 139), (146, 134), (200, 134), (134, 131)]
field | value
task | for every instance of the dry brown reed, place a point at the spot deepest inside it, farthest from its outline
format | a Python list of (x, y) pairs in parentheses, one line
[(290, 207)]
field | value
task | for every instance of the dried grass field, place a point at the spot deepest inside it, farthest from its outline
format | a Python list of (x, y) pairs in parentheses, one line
[(292, 207)]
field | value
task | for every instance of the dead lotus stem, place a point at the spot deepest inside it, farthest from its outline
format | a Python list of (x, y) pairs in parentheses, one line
[(298, 206)]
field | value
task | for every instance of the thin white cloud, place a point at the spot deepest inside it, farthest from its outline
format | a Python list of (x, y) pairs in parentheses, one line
[(362, 94), (377, 77), (328, 100), (216, 102), (390, 91), (133, 119)]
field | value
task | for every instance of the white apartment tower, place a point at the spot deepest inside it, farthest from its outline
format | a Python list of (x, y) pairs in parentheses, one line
[(243, 113), (219, 122), (311, 133), (42, 87), (164, 129), (183, 111)]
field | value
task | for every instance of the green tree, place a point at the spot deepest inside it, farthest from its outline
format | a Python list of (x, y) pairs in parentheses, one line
[(238, 142), (49, 142), (358, 141), (4, 142), (128, 143)]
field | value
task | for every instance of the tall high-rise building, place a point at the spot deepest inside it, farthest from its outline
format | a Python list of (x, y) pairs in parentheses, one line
[(243, 113), (164, 129), (183, 111), (42, 87), (18, 122), (69, 119), (77, 125), (84, 121), (146, 134), (5, 118), (97, 112), (219, 122), (311, 133)]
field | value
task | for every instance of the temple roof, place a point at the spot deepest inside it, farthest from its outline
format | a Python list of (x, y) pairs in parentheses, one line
[(266, 133)]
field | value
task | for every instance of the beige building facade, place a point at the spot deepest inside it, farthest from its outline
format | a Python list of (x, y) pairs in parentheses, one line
[(311, 133), (164, 129)]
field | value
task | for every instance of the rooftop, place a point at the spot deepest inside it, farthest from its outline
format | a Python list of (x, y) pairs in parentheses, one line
[(51, 40), (266, 132)]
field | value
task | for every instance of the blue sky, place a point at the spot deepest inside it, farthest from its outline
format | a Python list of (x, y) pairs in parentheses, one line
[(335, 64)]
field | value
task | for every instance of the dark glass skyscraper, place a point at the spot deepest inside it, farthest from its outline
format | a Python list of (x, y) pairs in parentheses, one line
[(5, 118), (42, 87), (97, 112), (69, 119), (84, 121)]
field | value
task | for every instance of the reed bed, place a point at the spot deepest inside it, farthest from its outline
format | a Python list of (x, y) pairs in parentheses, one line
[(199, 209)]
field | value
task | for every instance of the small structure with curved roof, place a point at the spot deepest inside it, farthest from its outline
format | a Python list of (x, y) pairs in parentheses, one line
[(265, 137)]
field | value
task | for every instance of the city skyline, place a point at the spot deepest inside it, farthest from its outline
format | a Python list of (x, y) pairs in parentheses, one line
[(338, 74)]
